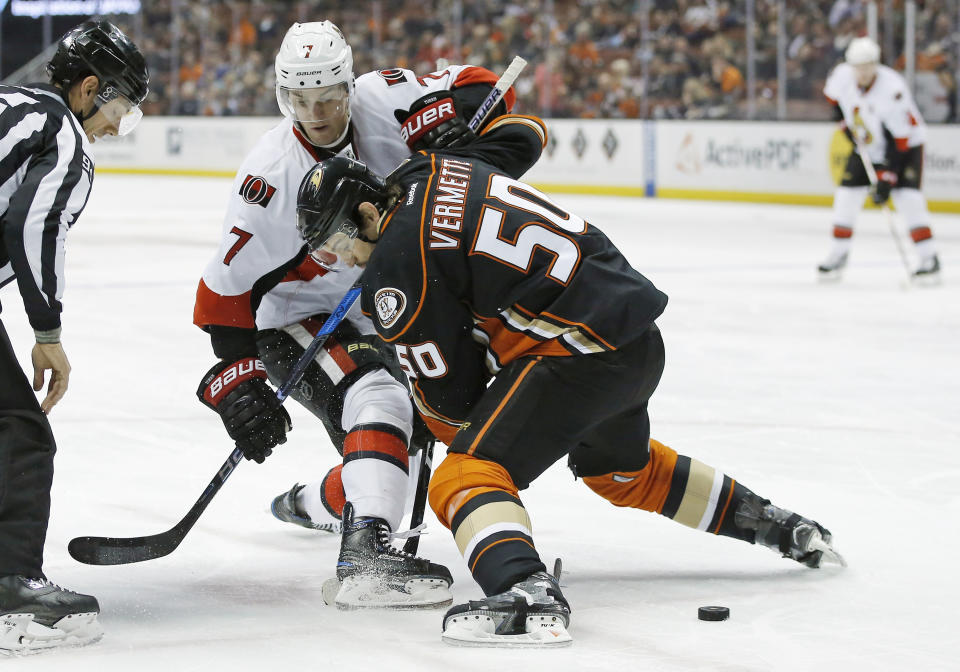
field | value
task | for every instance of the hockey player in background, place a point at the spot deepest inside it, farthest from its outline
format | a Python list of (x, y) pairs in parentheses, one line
[(526, 337), (876, 109), (98, 78), (263, 298)]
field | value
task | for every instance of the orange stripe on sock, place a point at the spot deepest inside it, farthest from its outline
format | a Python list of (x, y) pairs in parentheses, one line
[(725, 507), (500, 541), (842, 231), (460, 478), (921, 233)]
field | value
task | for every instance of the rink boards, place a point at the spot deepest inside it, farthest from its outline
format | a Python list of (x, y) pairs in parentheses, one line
[(773, 162)]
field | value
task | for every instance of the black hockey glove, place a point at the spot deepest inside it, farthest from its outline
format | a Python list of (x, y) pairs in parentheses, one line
[(432, 122), (239, 393), (886, 180)]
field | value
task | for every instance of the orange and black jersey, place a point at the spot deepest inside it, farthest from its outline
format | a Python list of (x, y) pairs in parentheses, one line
[(475, 269)]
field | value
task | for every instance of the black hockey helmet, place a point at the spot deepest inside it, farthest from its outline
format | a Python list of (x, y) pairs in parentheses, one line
[(100, 48), (328, 199)]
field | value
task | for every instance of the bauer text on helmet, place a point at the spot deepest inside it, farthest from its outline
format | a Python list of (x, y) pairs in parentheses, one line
[(314, 69)]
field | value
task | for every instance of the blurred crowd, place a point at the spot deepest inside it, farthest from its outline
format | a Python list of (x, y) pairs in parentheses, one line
[(588, 58)]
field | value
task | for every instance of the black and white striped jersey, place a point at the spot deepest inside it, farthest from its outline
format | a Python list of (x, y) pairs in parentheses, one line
[(46, 171)]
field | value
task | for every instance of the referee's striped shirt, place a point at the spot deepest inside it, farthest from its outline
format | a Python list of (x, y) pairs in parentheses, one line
[(46, 171)]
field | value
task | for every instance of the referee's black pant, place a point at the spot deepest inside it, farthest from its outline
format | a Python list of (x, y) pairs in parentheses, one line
[(26, 469)]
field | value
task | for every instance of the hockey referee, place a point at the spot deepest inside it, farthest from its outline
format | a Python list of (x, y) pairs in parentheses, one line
[(98, 79)]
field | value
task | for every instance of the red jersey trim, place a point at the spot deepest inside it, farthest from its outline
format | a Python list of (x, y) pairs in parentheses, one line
[(307, 145), (226, 311)]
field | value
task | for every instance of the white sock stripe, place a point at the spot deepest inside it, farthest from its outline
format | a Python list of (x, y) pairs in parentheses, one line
[(493, 529), (712, 503)]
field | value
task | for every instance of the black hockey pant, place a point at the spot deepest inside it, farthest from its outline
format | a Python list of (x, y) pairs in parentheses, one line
[(26, 469)]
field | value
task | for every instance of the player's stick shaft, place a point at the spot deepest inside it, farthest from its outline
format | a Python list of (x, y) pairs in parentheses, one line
[(872, 177)]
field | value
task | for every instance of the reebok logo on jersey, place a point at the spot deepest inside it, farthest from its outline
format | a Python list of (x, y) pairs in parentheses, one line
[(256, 190), (392, 76), (390, 304), (412, 193)]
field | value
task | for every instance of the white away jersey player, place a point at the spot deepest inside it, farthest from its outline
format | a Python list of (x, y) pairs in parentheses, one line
[(886, 103), (257, 278)]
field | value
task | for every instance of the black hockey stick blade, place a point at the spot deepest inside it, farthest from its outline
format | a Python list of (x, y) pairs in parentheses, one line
[(123, 551), (126, 550)]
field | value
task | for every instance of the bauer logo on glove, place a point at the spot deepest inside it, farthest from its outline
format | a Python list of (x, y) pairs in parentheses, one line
[(433, 123), (427, 118), (251, 413), (230, 377)]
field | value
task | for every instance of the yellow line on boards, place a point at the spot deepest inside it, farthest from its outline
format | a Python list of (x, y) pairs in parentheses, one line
[(589, 189), (181, 172)]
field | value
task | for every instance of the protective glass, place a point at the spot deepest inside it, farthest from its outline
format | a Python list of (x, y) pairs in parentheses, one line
[(118, 110), (314, 105)]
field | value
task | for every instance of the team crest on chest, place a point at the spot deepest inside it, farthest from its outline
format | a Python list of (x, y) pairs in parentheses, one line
[(255, 189), (390, 303), (393, 76)]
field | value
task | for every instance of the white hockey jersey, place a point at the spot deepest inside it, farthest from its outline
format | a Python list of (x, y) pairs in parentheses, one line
[(259, 276), (887, 103)]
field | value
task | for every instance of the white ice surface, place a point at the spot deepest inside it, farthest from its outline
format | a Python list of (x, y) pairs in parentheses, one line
[(838, 401)]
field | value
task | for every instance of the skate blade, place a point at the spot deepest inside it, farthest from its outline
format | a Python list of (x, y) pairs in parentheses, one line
[(478, 631), (829, 277), (926, 280), (829, 554), (21, 636), (372, 592)]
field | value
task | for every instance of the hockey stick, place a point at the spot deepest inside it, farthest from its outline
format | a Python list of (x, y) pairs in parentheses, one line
[(126, 550), (872, 177), (420, 498), (506, 80)]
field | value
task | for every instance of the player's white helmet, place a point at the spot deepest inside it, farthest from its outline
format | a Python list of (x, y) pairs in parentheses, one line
[(861, 51), (314, 70)]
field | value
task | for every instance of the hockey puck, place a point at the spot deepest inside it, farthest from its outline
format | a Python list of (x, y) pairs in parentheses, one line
[(713, 613)]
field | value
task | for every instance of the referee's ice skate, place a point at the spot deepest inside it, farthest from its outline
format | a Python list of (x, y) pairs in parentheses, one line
[(372, 573), (37, 615), (533, 614)]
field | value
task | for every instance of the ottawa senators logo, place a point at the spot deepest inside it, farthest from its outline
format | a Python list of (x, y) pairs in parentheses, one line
[(390, 304), (393, 76), (255, 189)]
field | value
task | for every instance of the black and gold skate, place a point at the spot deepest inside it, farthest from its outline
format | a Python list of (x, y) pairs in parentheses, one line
[(533, 613), (792, 535)]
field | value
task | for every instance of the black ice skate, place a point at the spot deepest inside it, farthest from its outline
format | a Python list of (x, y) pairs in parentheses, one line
[(833, 265), (928, 272), (284, 507), (372, 573), (790, 534), (533, 613), (36, 615)]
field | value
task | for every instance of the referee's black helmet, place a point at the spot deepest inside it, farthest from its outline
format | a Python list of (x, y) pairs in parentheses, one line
[(100, 48)]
